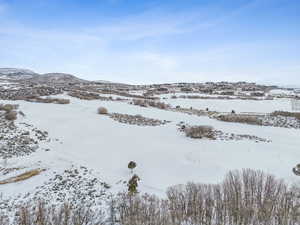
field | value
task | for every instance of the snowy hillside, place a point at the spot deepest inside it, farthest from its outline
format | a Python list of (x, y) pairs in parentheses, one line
[(18, 74), (57, 78), (30, 76), (8, 71)]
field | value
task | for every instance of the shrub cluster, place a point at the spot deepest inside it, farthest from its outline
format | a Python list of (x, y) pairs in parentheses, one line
[(86, 95), (49, 100), (10, 113), (238, 118), (286, 114), (146, 103), (199, 132)]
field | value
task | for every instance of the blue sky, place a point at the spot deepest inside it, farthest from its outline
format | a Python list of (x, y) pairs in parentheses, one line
[(154, 41)]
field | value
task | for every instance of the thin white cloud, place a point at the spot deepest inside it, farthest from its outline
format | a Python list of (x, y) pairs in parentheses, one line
[(150, 24), (104, 53), (158, 60)]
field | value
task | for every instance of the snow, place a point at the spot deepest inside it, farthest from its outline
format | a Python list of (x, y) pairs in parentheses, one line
[(8, 85), (7, 71), (178, 94), (163, 155), (16, 74), (220, 105), (281, 92)]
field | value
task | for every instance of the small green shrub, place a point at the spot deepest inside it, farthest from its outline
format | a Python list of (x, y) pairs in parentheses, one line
[(133, 184), (131, 165)]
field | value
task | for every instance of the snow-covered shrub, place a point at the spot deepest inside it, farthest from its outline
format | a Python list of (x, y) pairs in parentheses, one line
[(102, 110), (286, 114), (199, 132)]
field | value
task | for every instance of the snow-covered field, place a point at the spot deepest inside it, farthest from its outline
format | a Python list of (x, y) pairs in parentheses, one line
[(220, 105), (163, 155)]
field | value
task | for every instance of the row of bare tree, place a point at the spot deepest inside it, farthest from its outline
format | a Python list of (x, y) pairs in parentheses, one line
[(243, 198)]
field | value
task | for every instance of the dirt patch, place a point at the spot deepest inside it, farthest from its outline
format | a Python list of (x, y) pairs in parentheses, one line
[(21, 177)]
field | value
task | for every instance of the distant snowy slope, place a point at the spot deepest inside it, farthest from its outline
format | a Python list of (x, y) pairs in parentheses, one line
[(28, 75), (17, 74), (57, 78)]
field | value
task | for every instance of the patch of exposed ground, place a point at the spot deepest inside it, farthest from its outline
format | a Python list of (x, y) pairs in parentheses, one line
[(21, 177)]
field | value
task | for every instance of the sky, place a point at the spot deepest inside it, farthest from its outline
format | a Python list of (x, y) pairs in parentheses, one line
[(154, 41)]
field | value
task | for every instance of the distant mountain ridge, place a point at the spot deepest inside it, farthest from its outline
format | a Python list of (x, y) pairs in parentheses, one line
[(17, 74), (9, 71), (29, 75), (57, 78)]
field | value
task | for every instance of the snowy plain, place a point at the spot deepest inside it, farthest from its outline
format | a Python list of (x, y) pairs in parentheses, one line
[(240, 106), (164, 156)]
